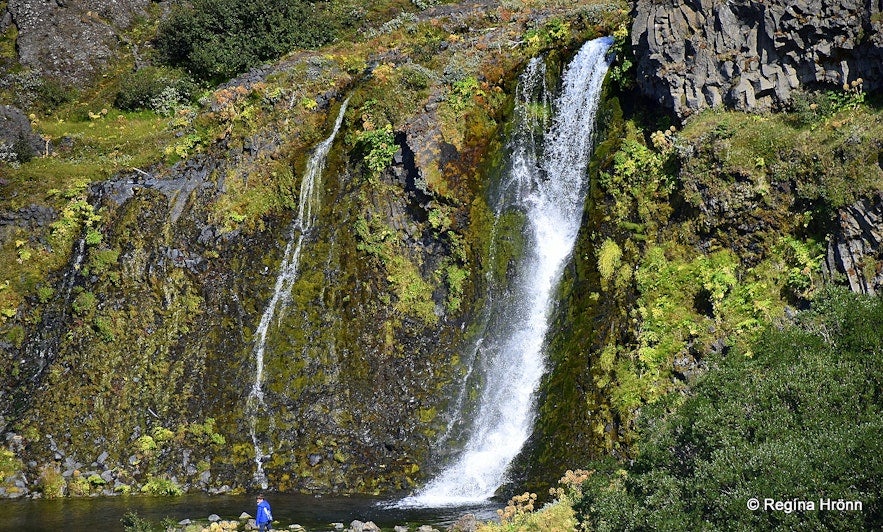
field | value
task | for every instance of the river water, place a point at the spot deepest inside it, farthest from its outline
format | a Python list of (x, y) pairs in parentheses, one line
[(314, 513)]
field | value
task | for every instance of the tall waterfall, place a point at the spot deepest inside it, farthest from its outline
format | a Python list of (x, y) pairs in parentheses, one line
[(303, 223), (546, 181)]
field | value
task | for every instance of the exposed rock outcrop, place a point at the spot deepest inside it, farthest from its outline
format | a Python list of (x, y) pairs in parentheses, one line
[(695, 54), (856, 249), (17, 138), (70, 39)]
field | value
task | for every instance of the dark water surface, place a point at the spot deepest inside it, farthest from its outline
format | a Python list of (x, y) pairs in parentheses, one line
[(314, 513)]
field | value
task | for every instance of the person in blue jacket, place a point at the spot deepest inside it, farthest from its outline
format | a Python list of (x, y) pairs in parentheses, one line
[(264, 517)]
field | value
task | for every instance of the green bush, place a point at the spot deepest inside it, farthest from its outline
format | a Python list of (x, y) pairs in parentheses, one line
[(378, 147), (52, 94), (217, 39), (22, 149), (132, 522), (148, 86), (800, 419), (161, 486)]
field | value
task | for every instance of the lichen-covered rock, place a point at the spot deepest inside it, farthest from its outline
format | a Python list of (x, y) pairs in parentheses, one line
[(18, 142), (70, 40), (29, 217), (696, 54)]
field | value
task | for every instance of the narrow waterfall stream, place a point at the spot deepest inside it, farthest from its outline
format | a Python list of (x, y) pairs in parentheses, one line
[(547, 182), (308, 203)]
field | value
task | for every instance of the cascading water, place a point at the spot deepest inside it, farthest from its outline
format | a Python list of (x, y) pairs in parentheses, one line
[(303, 223), (546, 182)]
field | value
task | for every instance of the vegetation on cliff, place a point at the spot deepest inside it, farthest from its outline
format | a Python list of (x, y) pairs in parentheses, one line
[(790, 420), (696, 295), (696, 238), (698, 242), (150, 269)]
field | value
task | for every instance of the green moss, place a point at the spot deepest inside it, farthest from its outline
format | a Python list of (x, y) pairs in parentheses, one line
[(104, 262), (455, 277), (145, 445), (78, 485), (414, 294), (84, 303), (9, 465), (508, 244), (834, 162), (161, 486), (51, 483), (609, 255)]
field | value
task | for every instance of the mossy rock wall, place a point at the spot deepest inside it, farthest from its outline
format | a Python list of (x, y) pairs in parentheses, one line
[(138, 354), (162, 337), (692, 240)]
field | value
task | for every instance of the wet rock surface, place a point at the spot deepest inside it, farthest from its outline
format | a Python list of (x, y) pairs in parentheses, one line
[(697, 54), (29, 217)]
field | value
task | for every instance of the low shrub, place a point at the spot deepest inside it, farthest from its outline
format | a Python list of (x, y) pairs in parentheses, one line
[(154, 88), (217, 39), (795, 418)]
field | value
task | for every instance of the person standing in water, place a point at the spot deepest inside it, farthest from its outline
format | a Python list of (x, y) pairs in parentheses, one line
[(264, 517)]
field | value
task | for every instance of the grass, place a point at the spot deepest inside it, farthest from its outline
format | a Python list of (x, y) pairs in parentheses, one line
[(98, 148), (834, 159)]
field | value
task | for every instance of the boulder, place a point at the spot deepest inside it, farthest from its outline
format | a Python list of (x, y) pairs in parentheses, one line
[(466, 523), (358, 526), (70, 40), (18, 142)]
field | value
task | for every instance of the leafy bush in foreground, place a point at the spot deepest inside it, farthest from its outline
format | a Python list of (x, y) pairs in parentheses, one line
[(799, 420)]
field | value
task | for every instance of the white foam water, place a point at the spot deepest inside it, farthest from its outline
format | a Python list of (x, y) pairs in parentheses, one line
[(548, 183), (308, 202)]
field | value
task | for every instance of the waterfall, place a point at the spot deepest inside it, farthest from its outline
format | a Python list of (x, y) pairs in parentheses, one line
[(547, 182), (308, 203)]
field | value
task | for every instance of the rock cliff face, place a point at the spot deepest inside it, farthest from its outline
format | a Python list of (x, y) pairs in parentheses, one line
[(16, 135), (696, 54), (136, 363), (70, 39), (856, 250)]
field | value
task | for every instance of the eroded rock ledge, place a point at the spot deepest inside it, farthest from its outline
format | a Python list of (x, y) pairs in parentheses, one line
[(856, 249), (696, 54)]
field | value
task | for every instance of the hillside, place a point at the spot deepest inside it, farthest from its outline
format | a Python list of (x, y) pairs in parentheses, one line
[(147, 203)]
